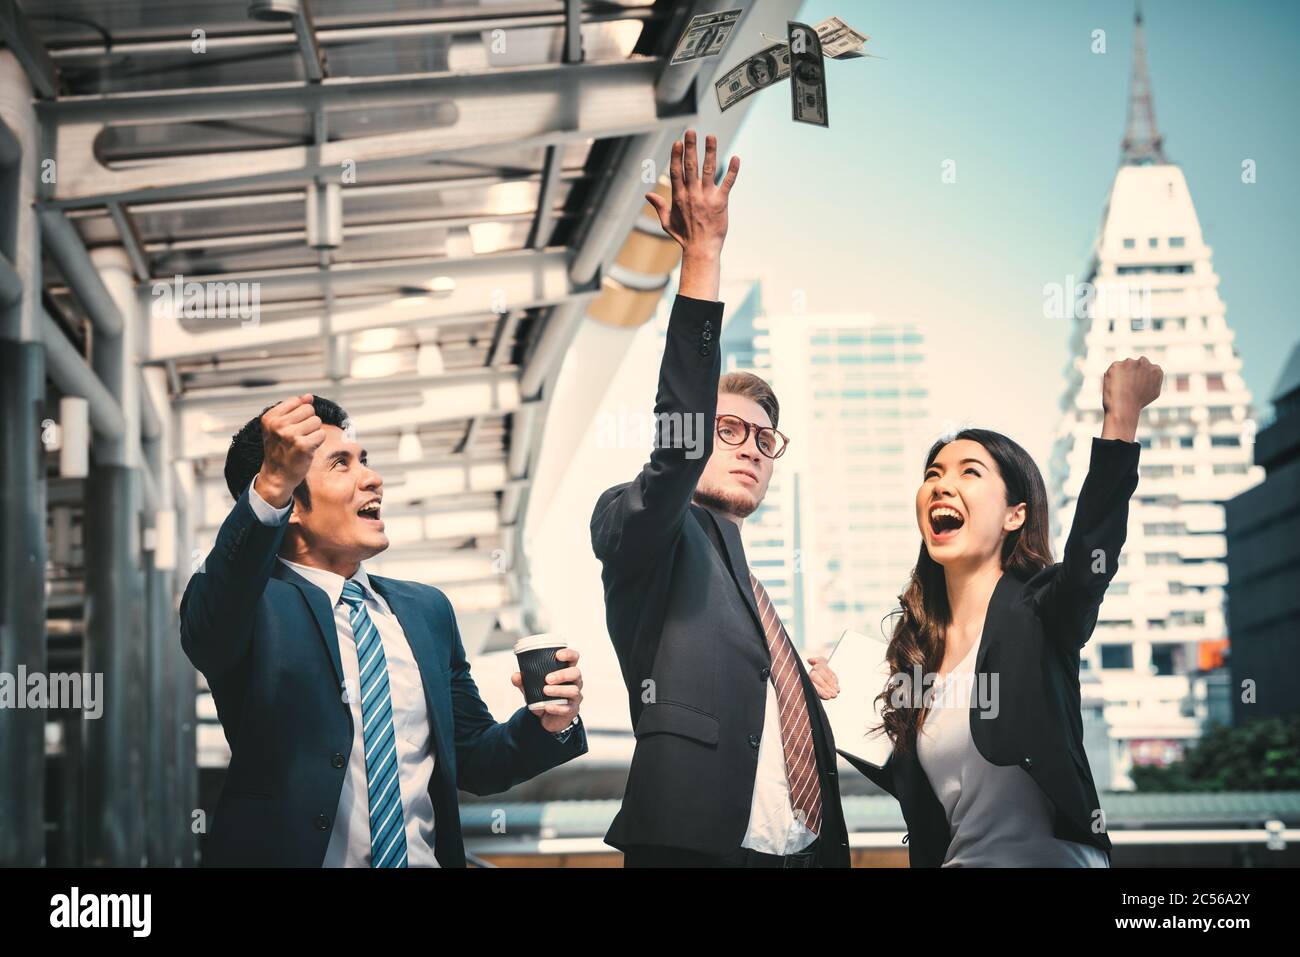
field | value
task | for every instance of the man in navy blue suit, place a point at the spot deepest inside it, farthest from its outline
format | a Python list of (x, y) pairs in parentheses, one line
[(346, 698)]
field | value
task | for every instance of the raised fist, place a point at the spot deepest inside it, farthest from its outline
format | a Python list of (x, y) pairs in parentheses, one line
[(1130, 385), (291, 434)]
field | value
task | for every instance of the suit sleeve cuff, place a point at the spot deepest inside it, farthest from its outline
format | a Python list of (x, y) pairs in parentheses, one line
[(1114, 450), (698, 309), (703, 302), (266, 514), (548, 744), (696, 324)]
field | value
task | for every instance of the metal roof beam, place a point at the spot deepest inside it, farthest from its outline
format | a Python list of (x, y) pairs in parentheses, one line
[(264, 238), (90, 184), (575, 82), (368, 27), (393, 386), (62, 241), (313, 57), (27, 47), (513, 107), (572, 31), (523, 280), (11, 284), (130, 240), (544, 219), (72, 375)]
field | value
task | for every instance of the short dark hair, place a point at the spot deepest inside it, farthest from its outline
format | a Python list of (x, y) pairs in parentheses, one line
[(244, 459), (752, 387)]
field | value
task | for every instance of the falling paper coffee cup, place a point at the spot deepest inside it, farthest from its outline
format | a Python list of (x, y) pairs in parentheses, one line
[(536, 657)]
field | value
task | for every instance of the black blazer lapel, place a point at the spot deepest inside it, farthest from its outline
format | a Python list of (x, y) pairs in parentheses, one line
[(319, 604), (999, 603), (730, 535)]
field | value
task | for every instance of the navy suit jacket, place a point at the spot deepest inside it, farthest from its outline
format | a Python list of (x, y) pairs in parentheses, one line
[(266, 640)]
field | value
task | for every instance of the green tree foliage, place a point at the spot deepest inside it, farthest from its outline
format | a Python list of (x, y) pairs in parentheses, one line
[(1261, 755)]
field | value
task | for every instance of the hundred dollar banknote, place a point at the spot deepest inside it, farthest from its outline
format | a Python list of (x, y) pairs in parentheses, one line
[(705, 35), (807, 76), (769, 65), (839, 40)]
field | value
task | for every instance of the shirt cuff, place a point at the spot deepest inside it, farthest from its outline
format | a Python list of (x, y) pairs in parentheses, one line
[(266, 514)]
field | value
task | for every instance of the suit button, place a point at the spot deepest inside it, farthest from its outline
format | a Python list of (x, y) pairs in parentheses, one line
[(753, 741), (337, 760), (706, 335), (765, 674), (704, 350), (322, 822), (1027, 763)]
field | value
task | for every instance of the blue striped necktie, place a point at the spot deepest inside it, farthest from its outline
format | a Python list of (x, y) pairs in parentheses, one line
[(387, 826)]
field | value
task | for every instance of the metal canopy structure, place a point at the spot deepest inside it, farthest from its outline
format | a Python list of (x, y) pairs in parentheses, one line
[(401, 187), (409, 207)]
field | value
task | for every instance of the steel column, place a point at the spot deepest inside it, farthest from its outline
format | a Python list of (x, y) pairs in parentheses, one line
[(22, 479)]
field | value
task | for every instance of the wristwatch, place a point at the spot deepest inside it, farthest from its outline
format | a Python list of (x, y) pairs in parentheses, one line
[(562, 736)]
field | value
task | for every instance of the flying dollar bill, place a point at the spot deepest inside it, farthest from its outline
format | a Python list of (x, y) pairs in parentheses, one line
[(839, 40), (767, 66), (705, 35), (807, 75)]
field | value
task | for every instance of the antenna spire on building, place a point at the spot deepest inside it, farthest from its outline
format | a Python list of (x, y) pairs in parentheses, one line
[(1143, 143)]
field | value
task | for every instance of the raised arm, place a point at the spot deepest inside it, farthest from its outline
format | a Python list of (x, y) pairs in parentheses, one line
[(633, 524), (1072, 591), (219, 602)]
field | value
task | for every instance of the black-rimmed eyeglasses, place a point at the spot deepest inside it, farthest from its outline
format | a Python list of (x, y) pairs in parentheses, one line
[(733, 430)]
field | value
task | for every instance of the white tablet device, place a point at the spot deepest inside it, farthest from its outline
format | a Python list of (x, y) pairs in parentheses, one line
[(860, 664)]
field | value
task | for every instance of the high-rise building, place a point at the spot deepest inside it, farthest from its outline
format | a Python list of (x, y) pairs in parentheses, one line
[(1263, 558), (854, 399), (1150, 289)]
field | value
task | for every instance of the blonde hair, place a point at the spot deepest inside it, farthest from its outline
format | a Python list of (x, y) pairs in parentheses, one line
[(751, 387)]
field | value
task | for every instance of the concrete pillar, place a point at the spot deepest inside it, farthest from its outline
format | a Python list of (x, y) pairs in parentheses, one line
[(22, 479), (169, 815), (116, 634), (188, 506), (22, 601)]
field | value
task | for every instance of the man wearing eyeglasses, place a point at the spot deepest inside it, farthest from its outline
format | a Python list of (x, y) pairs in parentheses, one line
[(734, 763)]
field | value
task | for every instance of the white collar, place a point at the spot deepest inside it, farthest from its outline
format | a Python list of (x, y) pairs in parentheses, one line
[(331, 583)]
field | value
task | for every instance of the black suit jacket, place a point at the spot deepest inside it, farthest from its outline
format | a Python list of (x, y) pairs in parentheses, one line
[(1033, 631), (265, 639), (687, 633)]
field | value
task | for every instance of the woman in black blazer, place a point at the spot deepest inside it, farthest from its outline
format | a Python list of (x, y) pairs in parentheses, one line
[(983, 708)]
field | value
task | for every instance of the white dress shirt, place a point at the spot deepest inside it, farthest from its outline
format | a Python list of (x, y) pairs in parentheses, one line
[(349, 844), (773, 827)]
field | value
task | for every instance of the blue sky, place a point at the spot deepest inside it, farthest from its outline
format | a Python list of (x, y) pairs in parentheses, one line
[(857, 217)]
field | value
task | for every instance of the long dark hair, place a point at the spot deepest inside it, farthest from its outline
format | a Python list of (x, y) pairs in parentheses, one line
[(922, 621)]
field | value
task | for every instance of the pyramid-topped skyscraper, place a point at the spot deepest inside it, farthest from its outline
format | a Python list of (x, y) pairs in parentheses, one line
[(1151, 289)]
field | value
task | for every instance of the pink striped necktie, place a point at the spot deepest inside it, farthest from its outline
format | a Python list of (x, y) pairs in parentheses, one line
[(796, 728)]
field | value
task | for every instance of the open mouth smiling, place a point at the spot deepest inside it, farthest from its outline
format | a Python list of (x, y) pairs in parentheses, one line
[(945, 522)]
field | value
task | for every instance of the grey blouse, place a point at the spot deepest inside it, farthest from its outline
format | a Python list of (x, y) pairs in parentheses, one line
[(997, 815)]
